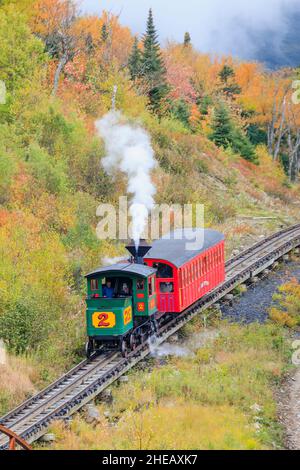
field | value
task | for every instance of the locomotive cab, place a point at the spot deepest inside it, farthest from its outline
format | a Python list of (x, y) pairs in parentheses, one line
[(120, 300)]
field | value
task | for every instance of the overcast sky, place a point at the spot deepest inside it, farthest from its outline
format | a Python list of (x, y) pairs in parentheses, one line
[(215, 25)]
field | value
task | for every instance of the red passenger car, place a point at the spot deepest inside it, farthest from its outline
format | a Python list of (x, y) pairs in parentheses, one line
[(186, 273)]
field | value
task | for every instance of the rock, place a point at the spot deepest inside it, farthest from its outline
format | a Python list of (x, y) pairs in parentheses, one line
[(106, 395), (173, 339), (92, 415), (229, 297), (124, 379), (49, 437)]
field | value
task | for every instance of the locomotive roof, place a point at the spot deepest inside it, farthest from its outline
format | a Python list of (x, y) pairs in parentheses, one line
[(127, 268), (173, 246)]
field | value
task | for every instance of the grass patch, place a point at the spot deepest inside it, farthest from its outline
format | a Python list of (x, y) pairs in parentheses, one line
[(219, 397), (18, 380)]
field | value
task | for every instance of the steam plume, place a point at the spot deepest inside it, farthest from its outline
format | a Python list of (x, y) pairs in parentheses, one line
[(106, 261), (128, 149)]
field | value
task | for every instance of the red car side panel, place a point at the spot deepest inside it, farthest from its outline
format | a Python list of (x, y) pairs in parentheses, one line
[(191, 281)]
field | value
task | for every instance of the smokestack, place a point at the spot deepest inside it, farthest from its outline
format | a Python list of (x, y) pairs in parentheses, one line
[(139, 254)]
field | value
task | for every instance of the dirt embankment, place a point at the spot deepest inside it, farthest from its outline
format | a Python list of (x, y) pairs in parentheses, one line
[(289, 410)]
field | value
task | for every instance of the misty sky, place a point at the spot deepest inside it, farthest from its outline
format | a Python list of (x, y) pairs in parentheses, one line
[(220, 26)]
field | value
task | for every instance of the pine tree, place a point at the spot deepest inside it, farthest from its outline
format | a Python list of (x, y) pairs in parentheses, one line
[(187, 39), (226, 134), (135, 61), (153, 69), (221, 127), (242, 145), (104, 32), (226, 73), (227, 76), (89, 44)]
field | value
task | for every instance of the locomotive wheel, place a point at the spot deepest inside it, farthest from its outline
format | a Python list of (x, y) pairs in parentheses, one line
[(132, 342), (89, 348), (124, 349)]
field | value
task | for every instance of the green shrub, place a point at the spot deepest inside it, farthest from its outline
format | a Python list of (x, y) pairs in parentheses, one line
[(50, 175)]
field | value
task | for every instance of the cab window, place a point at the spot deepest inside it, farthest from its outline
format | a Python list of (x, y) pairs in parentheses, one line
[(140, 284), (94, 284), (150, 286)]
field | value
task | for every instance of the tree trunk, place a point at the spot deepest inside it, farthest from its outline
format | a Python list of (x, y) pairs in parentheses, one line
[(280, 132), (60, 67)]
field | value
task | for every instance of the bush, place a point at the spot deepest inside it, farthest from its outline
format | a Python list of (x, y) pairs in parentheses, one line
[(287, 309), (8, 169), (50, 175)]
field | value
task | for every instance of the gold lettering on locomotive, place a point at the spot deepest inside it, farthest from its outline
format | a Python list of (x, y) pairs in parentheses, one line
[(103, 320), (127, 315)]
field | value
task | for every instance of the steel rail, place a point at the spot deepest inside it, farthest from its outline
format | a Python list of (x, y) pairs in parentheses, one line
[(264, 242), (14, 439), (56, 390), (89, 378)]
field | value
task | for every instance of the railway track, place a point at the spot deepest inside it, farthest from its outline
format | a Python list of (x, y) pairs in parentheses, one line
[(89, 378)]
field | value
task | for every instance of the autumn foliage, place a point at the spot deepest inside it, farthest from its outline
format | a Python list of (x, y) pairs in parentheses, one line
[(60, 68)]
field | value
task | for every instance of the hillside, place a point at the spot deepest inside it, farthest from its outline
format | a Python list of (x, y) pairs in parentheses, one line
[(221, 134)]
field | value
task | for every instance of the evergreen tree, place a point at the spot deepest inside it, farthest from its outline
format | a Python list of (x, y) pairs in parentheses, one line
[(89, 44), (181, 111), (226, 73), (242, 145), (257, 135), (221, 127), (104, 33), (153, 69), (226, 134), (135, 61), (227, 76), (187, 39)]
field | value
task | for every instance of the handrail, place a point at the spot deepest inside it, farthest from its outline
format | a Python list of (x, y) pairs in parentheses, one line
[(14, 439)]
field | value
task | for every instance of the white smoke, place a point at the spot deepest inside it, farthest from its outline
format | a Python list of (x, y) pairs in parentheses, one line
[(128, 149), (167, 349), (109, 261)]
